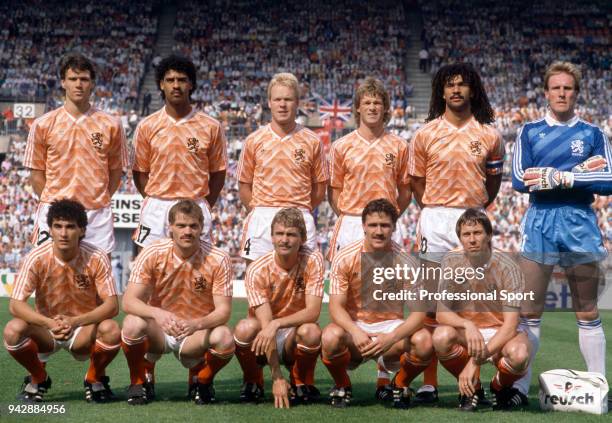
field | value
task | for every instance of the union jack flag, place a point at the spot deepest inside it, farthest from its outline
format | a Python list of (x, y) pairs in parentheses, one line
[(334, 109)]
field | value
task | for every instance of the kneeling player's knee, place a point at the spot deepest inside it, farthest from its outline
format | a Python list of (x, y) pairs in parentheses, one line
[(134, 326), (14, 331), (221, 339), (109, 332), (309, 334), (518, 355), (422, 343), (246, 330), (443, 338), (331, 338)]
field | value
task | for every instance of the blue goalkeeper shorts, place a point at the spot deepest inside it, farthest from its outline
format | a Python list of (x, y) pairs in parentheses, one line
[(561, 234)]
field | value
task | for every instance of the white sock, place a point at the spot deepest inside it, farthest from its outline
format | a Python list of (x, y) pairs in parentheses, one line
[(532, 328), (592, 342)]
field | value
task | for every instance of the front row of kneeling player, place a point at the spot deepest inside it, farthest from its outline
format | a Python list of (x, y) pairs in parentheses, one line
[(179, 300)]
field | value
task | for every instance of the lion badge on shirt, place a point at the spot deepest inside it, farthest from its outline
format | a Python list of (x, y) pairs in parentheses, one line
[(82, 281), (97, 140), (193, 145)]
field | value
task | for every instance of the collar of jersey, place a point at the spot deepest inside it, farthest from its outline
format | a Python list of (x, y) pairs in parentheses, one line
[(183, 119), (551, 121), (289, 135), (82, 117), (454, 128)]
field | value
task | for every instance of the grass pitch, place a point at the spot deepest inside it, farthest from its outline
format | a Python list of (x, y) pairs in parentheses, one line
[(559, 349)]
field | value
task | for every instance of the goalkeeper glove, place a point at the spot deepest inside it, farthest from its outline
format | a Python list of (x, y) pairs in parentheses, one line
[(547, 178), (592, 164)]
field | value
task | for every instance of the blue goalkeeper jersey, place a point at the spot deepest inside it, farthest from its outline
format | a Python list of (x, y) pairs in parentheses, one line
[(562, 145)]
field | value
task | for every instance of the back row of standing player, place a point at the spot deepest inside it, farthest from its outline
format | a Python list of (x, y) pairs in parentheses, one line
[(454, 162)]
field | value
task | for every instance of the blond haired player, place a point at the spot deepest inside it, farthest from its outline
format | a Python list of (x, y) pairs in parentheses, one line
[(367, 164), (366, 326), (456, 162), (75, 303), (79, 152), (180, 153), (282, 165), (178, 300), (285, 291), (472, 332)]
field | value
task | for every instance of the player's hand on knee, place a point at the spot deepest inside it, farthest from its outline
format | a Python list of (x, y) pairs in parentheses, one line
[(187, 328), (65, 327), (280, 391), (547, 178), (592, 164), (264, 341)]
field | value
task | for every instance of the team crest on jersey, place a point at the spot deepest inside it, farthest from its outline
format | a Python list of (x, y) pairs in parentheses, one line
[(299, 155), (300, 285), (475, 148), (82, 281), (96, 140), (199, 284), (390, 159), (577, 147), (193, 145)]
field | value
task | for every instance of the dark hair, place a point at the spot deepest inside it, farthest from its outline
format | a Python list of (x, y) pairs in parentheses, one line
[(76, 62), (179, 64), (472, 217), (68, 210), (479, 102), (188, 208), (380, 205)]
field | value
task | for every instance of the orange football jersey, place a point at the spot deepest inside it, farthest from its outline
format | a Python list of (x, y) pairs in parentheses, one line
[(285, 291), (455, 162), (282, 170), (366, 171), (76, 155), (502, 273), (179, 156), (72, 288), (184, 287)]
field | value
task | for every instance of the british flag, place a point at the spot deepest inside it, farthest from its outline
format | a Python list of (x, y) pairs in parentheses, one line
[(334, 109)]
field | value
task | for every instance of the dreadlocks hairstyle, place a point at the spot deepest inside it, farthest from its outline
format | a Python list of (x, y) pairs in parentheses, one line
[(479, 102)]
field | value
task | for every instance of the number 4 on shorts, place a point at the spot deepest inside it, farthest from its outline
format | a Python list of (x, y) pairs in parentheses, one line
[(247, 247)]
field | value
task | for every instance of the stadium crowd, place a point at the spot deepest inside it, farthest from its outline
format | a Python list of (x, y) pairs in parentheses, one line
[(329, 49), (35, 34)]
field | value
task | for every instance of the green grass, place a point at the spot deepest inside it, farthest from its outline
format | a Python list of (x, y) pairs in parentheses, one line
[(559, 350)]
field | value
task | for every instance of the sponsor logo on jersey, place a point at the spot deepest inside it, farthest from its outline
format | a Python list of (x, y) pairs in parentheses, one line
[(193, 145), (475, 148), (97, 140), (82, 281), (299, 155), (390, 159), (577, 147)]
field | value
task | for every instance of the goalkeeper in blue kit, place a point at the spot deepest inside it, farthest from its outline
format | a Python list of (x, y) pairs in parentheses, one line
[(561, 161)]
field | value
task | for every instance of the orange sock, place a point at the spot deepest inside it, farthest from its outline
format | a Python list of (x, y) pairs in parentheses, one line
[(337, 367), (100, 357), (134, 350), (383, 376), (411, 367), (303, 369), (213, 362), (251, 371), (430, 375), (26, 354), (505, 375), (193, 372), (455, 360)]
